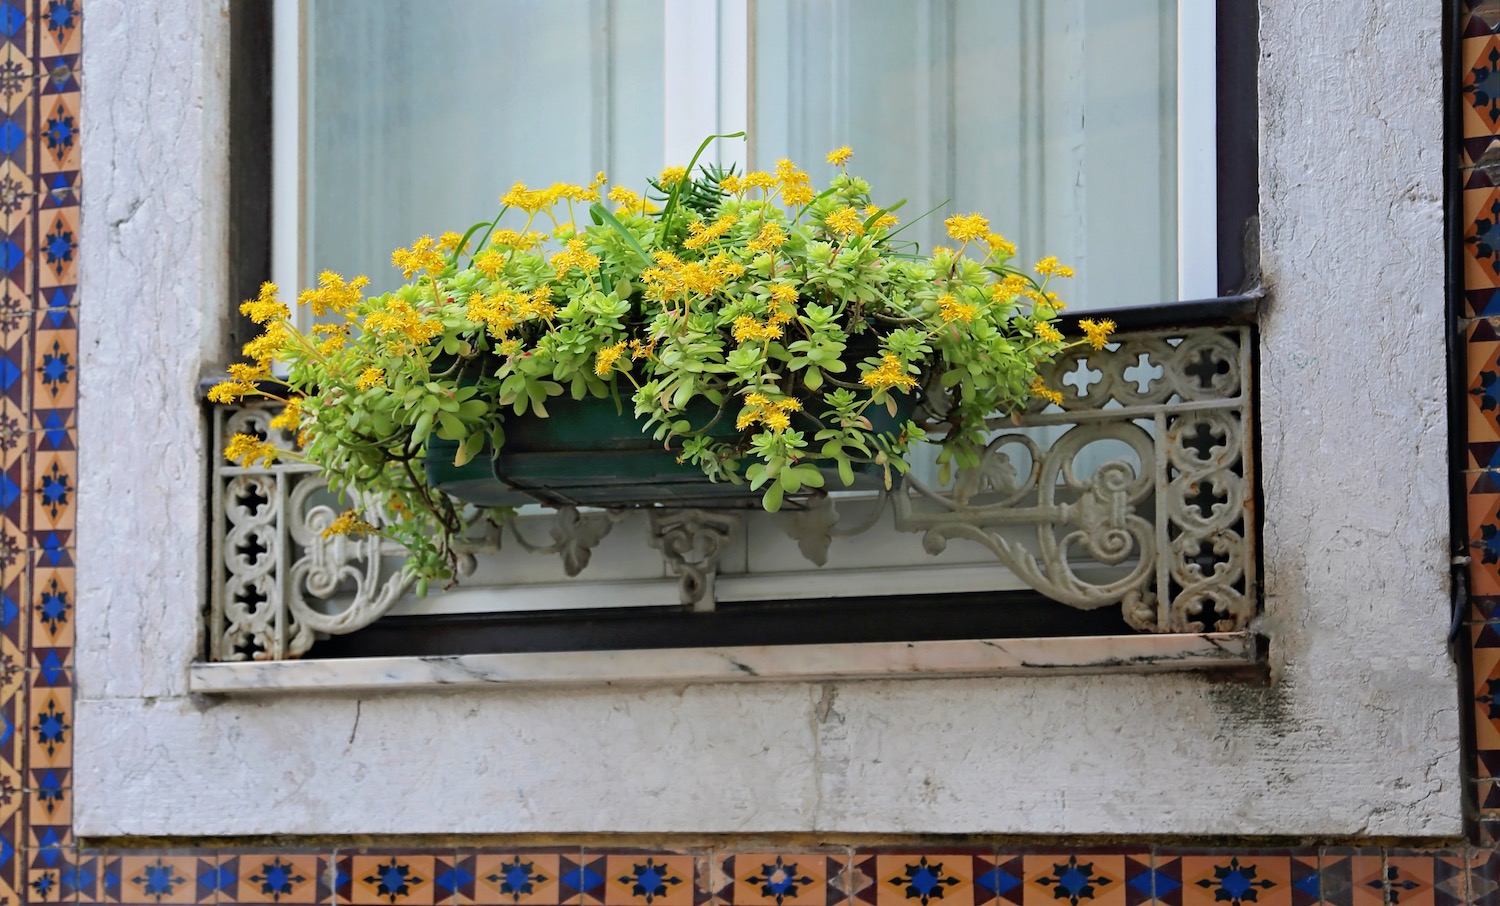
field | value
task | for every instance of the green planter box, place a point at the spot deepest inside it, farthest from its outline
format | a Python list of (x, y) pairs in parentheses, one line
[(585, 453)]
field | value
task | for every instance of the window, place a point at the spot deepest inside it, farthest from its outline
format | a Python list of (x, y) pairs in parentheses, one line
[(1102, 149)]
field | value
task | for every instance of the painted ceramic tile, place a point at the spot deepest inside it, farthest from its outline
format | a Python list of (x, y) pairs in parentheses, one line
[(388, 878), (521, 877), (288, 878), (646, 878), (785, 878)]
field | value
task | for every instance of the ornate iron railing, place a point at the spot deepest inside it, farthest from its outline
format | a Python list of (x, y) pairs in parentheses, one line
[(1138, 492)]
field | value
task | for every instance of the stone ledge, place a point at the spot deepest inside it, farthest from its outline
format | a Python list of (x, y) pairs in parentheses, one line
[(868, 660)]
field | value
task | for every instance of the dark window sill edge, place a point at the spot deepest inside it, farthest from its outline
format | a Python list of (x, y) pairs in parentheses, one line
[(1232, 654)]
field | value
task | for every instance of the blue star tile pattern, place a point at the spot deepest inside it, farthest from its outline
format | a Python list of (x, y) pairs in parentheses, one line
[(158, 880), (779, 880), (1236, 884), (51, 728), (649, 880), (1074, 881), (517, 878), (923, 881), (276, 878), (394, 879)]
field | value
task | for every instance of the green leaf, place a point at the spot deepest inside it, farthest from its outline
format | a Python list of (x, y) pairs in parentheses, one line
[(601, 214), (772, 500)]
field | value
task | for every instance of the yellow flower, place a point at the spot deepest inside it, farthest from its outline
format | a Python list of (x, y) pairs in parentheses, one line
[(529, 200), (671, 176), (967, 227), (333, 294), (702, 235), (448, 242), (770, 238), (639, 350), (759, 179), (1000, 245), (774, 414), (289, 416), (245, 449), (229, 391), (797, 195), (265, 347), (1045, 331), (1097, 332), (783, 293), (884, 221), (748, 328), (519, 241), (953, 310), (845, 221), (422, 256), (734, 184), (348, 523), (1009, 288), (840, 156), (605, 361), (576, 254), (629, 202), (265, 307), (1040, 388), (891, 373), (371, 377), (1048, 267)]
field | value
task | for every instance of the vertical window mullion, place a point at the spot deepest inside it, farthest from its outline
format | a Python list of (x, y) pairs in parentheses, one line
[(1197, 150), (287, 144)]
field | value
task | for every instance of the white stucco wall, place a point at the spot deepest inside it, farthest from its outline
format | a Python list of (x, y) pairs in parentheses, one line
[(1358, 735)]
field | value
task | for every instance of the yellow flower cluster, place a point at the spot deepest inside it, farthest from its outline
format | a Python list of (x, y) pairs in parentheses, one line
[(845, 221), (534, 200), (448, 242), (1048, 267), (245, 449), (1045, 331), (348, 523), (629, 202), (290, 417), (891, 373), (770, 238), (1007, 289), (1040, 388), (241, 383), (884, 221), (399, 320), (796, 186), (967, 227), (761, 409), (672, 277), (333, 294), (371, 377), (701, 234), (266, 307), (576, 254), (950, 309), (840, 156), (502, 311), (671, 176), (1097, 332), (423, 255), (521, 242), (1000, 245), (604, 362)]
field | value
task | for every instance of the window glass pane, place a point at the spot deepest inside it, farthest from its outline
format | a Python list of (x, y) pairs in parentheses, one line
[(1055, 118), (419, 115)]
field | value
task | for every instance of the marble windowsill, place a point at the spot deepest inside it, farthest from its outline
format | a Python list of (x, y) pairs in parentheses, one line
[(868, 660)]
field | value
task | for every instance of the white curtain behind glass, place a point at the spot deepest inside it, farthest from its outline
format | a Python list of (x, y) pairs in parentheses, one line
[(1055, 118), (419, 115)]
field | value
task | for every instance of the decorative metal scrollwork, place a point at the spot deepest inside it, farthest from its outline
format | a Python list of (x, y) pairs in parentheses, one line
[(1137, 492)]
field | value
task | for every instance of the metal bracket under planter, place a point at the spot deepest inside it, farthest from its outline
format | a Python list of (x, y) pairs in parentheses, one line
[(588, 452)]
